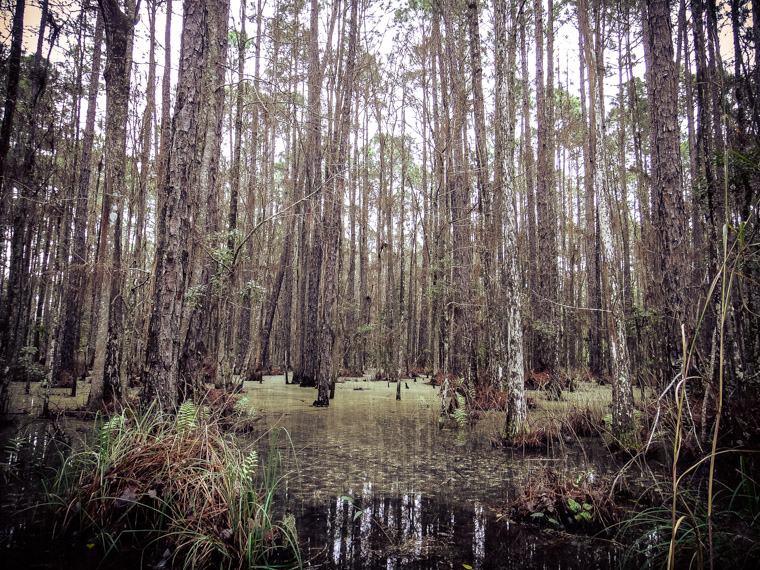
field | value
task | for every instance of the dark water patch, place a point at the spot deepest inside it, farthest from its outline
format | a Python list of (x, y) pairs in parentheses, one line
[(32, 449)]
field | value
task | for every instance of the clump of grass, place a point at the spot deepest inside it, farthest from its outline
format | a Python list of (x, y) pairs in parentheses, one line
[(652, 534), (534, 438), (178, 489), (583, 423)]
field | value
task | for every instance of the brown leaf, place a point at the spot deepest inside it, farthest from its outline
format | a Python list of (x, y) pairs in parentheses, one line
[(128, 497)]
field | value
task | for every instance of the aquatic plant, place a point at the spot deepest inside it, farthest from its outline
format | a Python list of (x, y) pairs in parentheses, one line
[(179, 490)]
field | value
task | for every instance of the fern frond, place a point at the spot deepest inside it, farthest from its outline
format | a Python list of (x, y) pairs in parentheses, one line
[(186, 416), (460, 413), (249, 466)]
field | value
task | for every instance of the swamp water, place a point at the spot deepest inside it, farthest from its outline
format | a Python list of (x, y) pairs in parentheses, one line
[(376, 484), (373, 483)]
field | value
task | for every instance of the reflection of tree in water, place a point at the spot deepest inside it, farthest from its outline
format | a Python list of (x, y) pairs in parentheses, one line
[(365, 524), (479, 536), (411, 531)]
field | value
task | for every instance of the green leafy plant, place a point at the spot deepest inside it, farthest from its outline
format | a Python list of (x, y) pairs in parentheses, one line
[(540, 515), (581, 511), (252, 291), (460, 412), (194, 294), (31, 369), (243, 408)]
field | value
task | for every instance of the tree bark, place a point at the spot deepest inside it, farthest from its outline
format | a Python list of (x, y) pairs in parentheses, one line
[(591, 243), (206, 329), (510, 366), (528, 162), (182, 179), (311, 321), (166, 120), (74, 295), (11, 99), (119, 27), (669, 223), (546, 324)]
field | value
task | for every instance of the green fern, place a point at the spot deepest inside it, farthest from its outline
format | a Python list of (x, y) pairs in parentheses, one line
[(186, 416), (110, 429), (460, 413), (249, 466)]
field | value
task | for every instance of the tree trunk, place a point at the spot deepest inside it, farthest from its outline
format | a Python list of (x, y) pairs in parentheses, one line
[(510, 367), (119, 27), (314, 190), (166, 122), (11, 99), (332, 217), (591, 243), (463, 361), (205, 339), (74, 295), (182, 179), (546, 324), (669, 221), (528, 162), (487, 216), (622, 392)]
